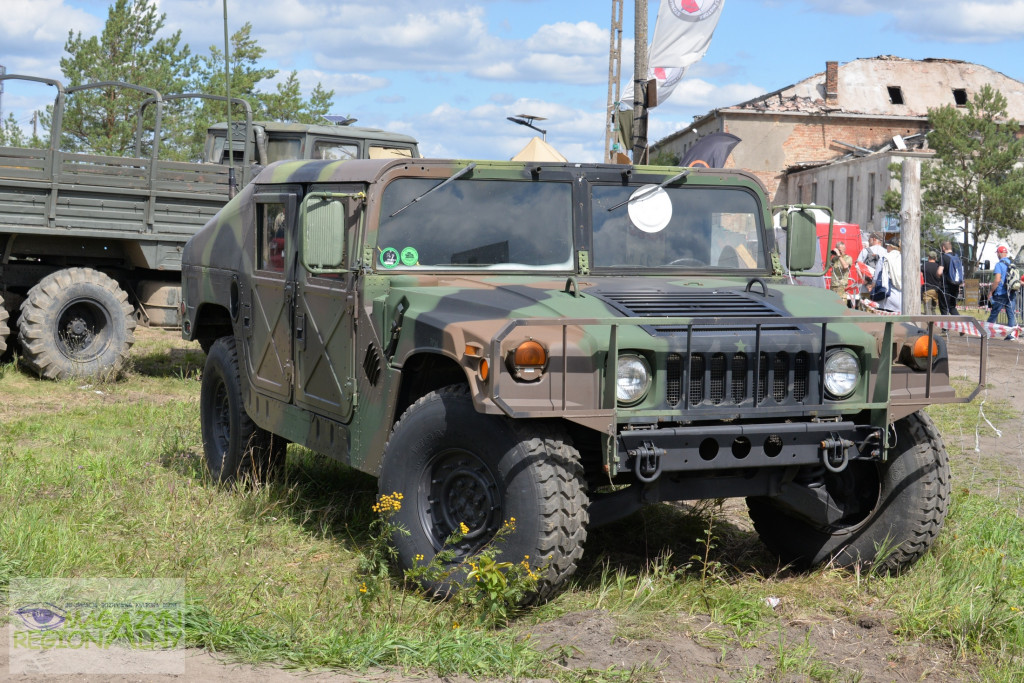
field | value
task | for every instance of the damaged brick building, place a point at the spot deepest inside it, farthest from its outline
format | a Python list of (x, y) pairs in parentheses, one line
[(829, 138)]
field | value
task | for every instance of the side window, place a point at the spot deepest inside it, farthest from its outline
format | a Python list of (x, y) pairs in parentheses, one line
[(271, 222), (279, 149), (382, 152), (335, 151)]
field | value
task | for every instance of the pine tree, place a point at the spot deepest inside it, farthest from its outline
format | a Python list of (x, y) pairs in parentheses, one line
[(287, 103), (246, 74), (102, 120), (975, 179)]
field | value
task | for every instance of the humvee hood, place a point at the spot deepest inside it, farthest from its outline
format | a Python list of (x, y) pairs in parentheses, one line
[(443, 301)]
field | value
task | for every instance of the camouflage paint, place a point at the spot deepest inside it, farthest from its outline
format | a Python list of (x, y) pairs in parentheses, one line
[(454, 317)]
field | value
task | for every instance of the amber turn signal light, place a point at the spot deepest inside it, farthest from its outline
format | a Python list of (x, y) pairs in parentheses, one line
[(921, 348), (530, 354)]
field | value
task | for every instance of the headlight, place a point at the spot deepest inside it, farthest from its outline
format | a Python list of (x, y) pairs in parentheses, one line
[(842, 371), (633, 379)]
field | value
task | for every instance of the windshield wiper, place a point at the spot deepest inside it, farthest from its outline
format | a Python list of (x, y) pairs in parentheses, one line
[(671, 180), (441, 184)]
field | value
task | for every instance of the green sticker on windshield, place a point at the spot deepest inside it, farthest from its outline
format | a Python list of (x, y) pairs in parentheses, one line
[(410, 257), (389, 257)]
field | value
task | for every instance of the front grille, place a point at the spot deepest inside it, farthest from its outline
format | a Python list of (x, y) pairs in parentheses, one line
[(714, 379), (718, 304), (739, 377)]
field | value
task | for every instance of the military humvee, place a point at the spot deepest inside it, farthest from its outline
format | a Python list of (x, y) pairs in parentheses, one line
[(561, 343)]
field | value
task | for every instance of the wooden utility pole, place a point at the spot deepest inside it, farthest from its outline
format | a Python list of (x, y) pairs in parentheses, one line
[(614, 76), (910, 236), (640, 83)]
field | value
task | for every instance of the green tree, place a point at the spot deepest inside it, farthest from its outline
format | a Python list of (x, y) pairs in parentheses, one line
[(102, 120), (11, 135), (246, 74), (932, 221), (975, 179), (287, 103)]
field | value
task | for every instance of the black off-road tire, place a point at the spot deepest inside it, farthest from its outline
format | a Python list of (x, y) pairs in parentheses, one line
[(76, 322), (5, 331), (454, 465), (234, 447), (897, 507)]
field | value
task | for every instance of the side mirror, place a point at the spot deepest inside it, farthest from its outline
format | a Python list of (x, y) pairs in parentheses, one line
[(323, 233), (801, 240)]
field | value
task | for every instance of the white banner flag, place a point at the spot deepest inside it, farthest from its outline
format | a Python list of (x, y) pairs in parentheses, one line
[(682, 35), (683, 31)]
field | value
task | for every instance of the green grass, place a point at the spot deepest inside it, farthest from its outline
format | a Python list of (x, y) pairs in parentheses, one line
[(112, 484)]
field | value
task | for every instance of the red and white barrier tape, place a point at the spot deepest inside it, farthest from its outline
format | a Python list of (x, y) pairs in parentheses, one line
[(995, 330)]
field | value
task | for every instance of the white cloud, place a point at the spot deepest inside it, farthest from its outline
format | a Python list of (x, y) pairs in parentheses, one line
[(583, 38), (341, 83), (38, 28), (952, 21), (483, 131)]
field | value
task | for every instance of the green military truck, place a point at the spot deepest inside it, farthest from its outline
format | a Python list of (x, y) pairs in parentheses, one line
[(561, 344), (91, 245)]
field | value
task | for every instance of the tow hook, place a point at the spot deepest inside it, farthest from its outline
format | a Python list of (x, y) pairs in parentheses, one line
[(646, 461), (833, 453)]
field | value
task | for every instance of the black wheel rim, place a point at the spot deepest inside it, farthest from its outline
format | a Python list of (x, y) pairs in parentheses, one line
[(84, 330), (220, 425), (459, 488)]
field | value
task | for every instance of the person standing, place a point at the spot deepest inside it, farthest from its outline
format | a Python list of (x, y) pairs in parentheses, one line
[(932, 285), (1002, 298), (874, 252), (950, 289), (893, 264), (841, 264)]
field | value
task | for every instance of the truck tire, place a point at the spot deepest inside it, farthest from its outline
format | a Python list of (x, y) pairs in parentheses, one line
[(76, 322), (896, 507), (5, 331), (454, 465), (234, 447)]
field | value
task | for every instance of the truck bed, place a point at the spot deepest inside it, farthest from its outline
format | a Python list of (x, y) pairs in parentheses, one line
[(43, 192)]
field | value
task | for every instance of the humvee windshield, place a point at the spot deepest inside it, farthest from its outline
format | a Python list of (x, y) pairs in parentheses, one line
[(469, 224), (676, 227)]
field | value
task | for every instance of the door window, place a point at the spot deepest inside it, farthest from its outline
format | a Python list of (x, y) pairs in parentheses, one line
[(271, 224)]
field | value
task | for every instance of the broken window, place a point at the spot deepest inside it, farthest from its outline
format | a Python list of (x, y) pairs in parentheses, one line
[(871, 196), (895, 94), (960, 97), (849, 200)]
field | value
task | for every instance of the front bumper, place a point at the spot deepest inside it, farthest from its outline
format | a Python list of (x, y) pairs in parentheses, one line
[(648, 453)]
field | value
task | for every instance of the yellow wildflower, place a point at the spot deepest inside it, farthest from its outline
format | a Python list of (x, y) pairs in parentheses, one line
[(463, 528)]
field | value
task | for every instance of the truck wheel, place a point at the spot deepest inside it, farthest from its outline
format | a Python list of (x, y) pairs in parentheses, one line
[(235, 448), (891, 512), (5, 331), (456, 466), (76, 322)]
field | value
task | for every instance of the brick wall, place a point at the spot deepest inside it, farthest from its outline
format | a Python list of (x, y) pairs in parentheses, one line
[(808, 139)]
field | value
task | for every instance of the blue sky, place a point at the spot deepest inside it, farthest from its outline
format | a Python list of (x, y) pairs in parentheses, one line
[(450, 71)]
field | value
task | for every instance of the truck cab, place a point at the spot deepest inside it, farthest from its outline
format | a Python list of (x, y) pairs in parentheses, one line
[(270, 141)]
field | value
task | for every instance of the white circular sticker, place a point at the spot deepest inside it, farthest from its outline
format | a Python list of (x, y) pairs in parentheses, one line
[(650, 208)]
